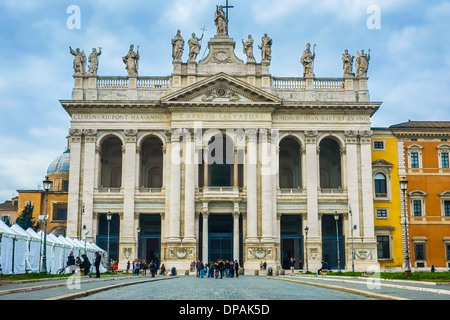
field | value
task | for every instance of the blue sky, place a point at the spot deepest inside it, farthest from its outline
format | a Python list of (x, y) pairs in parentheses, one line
[(409, 69)]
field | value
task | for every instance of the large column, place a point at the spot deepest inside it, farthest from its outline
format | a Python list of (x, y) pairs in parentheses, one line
[(312, 183), (90, 138), (236, 215), (189, 190), (205, 230), (267, 191), (252, 231), (205, 167), (175, 186), (128, 228), (73, 206), (235, 168), (366, 184), (351, 140)]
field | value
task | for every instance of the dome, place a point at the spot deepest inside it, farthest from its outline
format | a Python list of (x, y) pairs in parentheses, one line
[(60, 164)]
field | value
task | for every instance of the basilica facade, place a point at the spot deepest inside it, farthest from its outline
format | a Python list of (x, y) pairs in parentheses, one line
[(222, 160)]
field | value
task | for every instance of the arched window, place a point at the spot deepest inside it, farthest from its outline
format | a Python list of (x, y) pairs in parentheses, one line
[(289, 164), (151, 163), (330, 164), (380, 185), (111, 163)]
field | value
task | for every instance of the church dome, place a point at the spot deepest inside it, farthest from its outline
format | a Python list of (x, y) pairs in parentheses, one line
[(60, 164)]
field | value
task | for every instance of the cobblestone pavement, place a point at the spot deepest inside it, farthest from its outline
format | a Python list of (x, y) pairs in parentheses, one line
[(242, 288), (247, 287)]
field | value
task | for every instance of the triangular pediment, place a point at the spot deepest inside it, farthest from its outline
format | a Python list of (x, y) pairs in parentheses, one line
[(221, 89), (382, 163)]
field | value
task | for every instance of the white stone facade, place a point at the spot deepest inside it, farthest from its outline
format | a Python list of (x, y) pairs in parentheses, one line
[(256, 111)]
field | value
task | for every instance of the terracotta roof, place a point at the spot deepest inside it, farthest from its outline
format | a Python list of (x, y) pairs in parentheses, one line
[(422, 125)]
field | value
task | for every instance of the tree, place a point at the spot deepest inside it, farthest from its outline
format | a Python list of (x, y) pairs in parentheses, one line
[(26, 219)]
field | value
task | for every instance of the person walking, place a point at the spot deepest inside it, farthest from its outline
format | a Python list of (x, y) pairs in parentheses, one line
[(292, 265), (97, 260), (236, 268)]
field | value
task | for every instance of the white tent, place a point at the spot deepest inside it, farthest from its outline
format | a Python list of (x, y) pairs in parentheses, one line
[(35, 250), (50, 252), (60, 253), (6, 248), (24, 256)]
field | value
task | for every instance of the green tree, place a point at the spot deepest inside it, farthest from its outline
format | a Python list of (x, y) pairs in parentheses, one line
[(26, 220)]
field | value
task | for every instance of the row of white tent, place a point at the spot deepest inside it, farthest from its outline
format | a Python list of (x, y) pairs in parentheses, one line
[(21, 251)]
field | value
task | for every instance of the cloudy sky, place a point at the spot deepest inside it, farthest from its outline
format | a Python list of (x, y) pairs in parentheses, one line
[(409, 69)]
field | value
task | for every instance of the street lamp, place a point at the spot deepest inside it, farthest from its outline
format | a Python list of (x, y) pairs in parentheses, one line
[(138, 232), (404, 187), (108, 217), (353, 228), (47, 186), (336, 218), (306, 248)]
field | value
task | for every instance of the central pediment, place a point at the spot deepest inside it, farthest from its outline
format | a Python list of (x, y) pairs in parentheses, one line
[(221, 89)]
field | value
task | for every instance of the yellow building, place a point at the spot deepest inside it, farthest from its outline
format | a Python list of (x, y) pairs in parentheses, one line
[(387, 209), (58, 173)]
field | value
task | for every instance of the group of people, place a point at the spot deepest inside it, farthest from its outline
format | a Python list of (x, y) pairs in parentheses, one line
[(139, 264), (84, 264), (218, 269)]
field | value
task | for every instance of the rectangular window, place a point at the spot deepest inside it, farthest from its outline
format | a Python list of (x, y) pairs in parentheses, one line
[(381, 213), (417, 207), (6, 219), (60, 211), (414, 160), (447, 208), (448, 251), (419, 251), (65, 185), (378, 145), (383, 247), (444, 160)]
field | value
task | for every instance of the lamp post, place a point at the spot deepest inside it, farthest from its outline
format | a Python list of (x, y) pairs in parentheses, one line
[(336, 218), (108, 217), (137, 249), (404, 187), (47, 186), (306, 248), (353, 227)]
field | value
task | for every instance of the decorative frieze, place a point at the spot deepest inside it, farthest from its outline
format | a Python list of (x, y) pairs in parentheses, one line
[(181, 253)]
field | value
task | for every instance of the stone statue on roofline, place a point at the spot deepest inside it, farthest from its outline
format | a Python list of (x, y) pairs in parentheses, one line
[(347, 61), (307, 61), (266, 48), (93, 61), (194, 47), (177, 47), (221, 22), (248, 49), (131, 61), (79, 62), (362, 64)]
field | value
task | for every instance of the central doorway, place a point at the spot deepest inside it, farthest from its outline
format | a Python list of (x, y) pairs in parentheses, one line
[(220, 239), (291, 240), (149, 244)]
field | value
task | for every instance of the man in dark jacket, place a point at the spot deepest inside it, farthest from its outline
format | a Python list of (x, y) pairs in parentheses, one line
[(236, 268), (98, 258), (86, 265)]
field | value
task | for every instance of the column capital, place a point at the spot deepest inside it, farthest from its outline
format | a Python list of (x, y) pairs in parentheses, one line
[(75, 135), (351, 136), (365, 136), (311, 136), (130, 135)]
